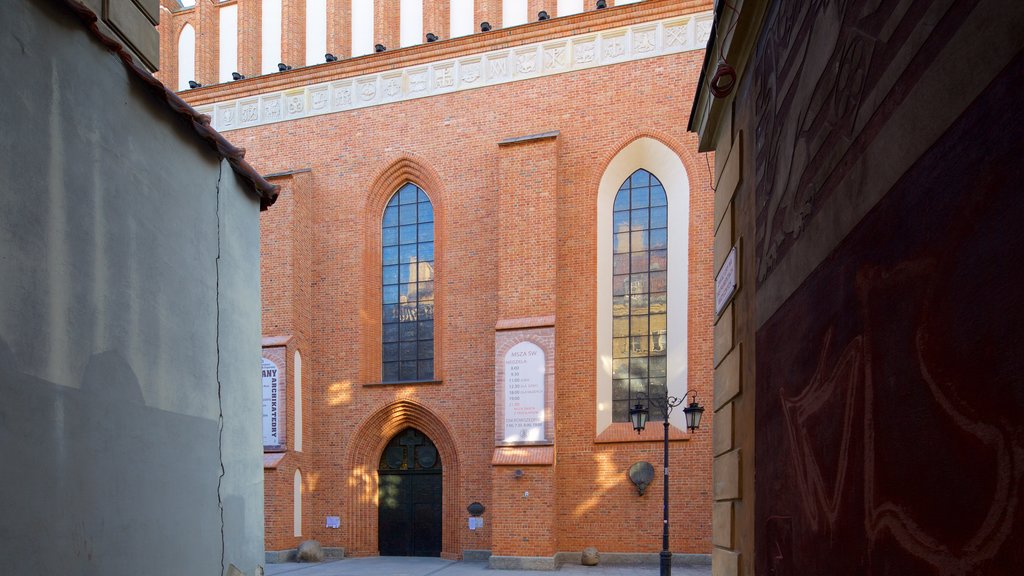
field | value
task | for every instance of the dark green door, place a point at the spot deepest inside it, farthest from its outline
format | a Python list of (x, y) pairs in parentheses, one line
[(409, 509)]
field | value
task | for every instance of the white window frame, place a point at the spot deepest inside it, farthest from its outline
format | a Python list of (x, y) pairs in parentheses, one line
[(661, 161), (297, 504)]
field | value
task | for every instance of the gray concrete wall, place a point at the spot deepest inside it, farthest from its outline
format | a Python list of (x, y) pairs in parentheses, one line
[(129, 322)]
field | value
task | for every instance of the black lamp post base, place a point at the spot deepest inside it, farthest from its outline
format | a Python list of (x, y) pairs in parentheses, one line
[(666, 563)]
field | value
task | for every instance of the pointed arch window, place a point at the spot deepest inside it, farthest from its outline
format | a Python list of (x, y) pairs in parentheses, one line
[(407, 273), (639, 292), (642, 282), (186, 56)]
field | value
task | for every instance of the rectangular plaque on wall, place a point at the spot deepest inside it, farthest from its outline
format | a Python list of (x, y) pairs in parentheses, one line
[(274, 370), (524, 386)]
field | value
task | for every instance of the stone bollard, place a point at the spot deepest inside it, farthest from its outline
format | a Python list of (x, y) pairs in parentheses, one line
[(310, 551), (590, 556)]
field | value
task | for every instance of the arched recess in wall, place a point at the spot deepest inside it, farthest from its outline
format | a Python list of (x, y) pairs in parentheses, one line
[(297, 504), (362, 28), (460, 18), (186, 56), (365, 449), (297, 385), (228, 42), (405, 170), (316, 31), (270, 46), (514, 13), (410, 22), (569, 7), (653, 156)]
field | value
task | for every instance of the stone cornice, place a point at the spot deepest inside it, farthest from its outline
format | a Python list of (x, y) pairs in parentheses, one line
[(640, 41)]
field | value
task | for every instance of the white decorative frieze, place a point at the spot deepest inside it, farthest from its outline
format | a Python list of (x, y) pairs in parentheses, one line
[(526, 61), (249, 112), (703, 31), (391, 87), (497, 67), (647, 40), (341, 95), (366, 89), (226, 116), (444, 76), (614, 47), (470, 72), (556, 57), (676, 35), (319, 99), (294, 104), (584, 51)]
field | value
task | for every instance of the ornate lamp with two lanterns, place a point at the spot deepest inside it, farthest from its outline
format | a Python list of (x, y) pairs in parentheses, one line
[(638, 415)]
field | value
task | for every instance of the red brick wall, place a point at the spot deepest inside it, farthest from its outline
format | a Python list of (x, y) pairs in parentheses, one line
[(448, 144)]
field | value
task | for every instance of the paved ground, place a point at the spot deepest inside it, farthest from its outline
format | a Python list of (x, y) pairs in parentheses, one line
[(397, 566)]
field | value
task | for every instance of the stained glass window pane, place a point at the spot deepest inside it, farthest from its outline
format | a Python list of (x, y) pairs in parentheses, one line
[(639, 287), (407, 279)]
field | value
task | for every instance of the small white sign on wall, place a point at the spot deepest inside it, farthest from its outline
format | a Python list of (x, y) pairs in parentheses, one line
[(524, 393), (475, 522), (334, 521), (725, 282)]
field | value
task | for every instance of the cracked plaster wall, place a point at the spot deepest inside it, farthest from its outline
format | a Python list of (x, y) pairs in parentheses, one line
[(129, 322)]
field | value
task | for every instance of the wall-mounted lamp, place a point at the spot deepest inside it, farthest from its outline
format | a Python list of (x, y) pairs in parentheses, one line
[(517, 474), (641, 475)]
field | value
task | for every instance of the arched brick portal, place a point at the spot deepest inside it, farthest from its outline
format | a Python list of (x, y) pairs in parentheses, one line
[(361, 484)]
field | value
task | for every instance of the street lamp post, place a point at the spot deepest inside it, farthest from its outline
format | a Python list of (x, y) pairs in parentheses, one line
[(639, 415)]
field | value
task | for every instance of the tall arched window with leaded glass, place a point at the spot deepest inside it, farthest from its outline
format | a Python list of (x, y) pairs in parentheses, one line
[(407, 250), (639, 292)]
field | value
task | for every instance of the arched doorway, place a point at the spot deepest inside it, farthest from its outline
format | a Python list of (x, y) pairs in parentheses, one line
[(409, 504)]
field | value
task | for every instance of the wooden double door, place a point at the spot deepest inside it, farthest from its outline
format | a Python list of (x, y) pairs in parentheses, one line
[(409, 504)]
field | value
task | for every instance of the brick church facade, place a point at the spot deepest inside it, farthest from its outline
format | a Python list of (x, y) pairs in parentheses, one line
[(484, 248)]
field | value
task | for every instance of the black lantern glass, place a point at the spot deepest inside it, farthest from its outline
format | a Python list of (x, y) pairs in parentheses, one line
[(693, 413), (638, 416)]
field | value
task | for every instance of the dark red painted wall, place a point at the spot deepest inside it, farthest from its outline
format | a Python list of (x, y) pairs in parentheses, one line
[(890, 385)]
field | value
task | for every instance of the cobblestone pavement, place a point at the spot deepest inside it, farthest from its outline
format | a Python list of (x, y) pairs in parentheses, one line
[(399, 566)]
